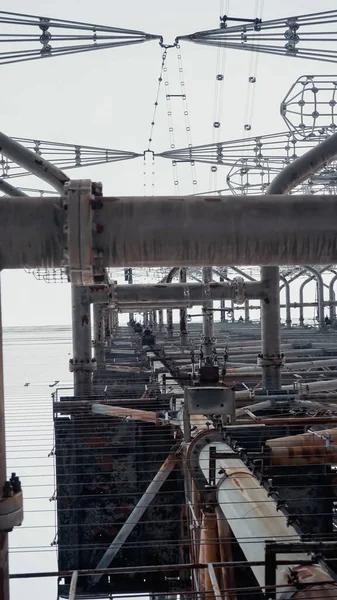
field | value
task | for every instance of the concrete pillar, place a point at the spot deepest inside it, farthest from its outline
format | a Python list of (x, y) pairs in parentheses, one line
[(207, 319), (81, 364), (4, 580), (270, 329), (160, 320)]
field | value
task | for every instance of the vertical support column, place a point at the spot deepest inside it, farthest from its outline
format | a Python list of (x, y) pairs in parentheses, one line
[(107, 325), (207, 319), (332, 298), (146, 319), (222, 304), (183, 311), (4, 578), (130, 281), (114, 320), (233, 311), (288, 307), (160, 320), (271, 359), (169, 323), (247, 319), (154, 318), (81, 364), (99, 330)]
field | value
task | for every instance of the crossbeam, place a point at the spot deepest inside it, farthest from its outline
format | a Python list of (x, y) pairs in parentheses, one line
[(186, 231)]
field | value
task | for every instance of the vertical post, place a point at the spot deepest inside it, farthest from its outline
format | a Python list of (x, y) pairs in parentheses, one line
[(287, 294), (247, 311), (4, 578), (233, 311), (99, 329), (222, 304), (183, 311), (332, 298), (81, 364), (130, 281), (114, 320), (169, 323), (154, 318), (271, 360), (160, 320), (207, 319), (108, 325)]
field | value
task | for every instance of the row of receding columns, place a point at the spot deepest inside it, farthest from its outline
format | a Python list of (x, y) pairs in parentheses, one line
[(82, 363), (105, 321), (231, 231)]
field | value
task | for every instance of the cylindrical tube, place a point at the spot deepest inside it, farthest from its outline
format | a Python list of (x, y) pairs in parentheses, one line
[(265, 230)]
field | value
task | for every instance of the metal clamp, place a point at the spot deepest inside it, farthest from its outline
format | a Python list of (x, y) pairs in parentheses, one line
[(75, 366), (270, 360)]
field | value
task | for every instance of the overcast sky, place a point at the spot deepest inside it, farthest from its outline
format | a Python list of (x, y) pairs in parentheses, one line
[(106, 98)]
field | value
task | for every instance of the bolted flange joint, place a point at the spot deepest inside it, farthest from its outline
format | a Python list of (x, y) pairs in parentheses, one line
[(270, 360), (78, 366), (82, 200)]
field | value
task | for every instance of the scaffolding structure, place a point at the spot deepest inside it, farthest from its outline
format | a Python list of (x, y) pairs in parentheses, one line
[(192, 458)]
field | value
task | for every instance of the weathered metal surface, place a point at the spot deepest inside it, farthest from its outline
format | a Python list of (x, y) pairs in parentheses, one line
[(265, 230), (304, 455), (103, 466)]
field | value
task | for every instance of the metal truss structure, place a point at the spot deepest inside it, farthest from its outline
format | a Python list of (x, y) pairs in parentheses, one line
[(275, 149), (42, 37), (243, 179), (312, 36), (309, 107), (183, 460), (63, 156)]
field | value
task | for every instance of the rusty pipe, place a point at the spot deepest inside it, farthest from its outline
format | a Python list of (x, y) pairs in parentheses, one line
[(147, 416), (225, 546), (305, 439), (209, 544), (303, 455)]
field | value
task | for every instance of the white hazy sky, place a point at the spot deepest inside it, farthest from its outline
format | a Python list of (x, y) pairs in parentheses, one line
[(106, 98)]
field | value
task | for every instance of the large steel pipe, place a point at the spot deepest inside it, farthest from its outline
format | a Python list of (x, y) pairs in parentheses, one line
[(266, 230), (189, 293), (253, 517)]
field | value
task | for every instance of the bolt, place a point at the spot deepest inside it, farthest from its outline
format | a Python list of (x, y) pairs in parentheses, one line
[(7, 491), (16, 485)]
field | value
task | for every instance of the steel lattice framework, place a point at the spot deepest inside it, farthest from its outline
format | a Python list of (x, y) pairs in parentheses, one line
[(41, 37), (278, 149), (309, 107), (310, 36), (63, 156)]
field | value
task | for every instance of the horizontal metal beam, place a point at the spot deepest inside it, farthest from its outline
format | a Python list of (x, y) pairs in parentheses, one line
[(185, 294), (184, 231)]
